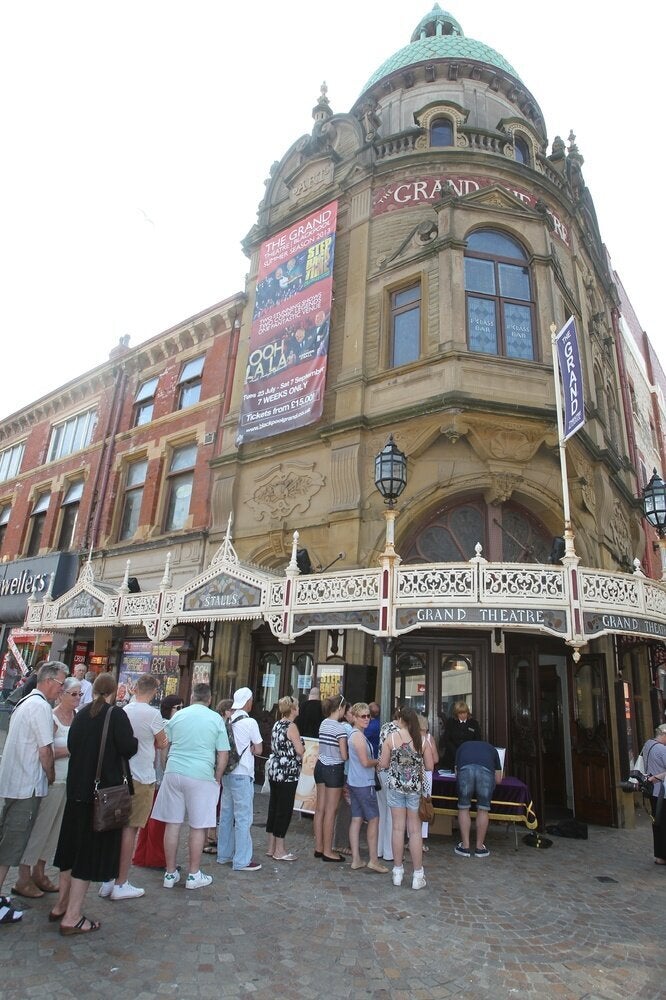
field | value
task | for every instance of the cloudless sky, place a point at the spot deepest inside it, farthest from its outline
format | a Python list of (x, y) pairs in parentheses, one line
[(137, 137)]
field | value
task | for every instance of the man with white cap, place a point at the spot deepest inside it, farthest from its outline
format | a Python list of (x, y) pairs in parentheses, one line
[(234, 839)]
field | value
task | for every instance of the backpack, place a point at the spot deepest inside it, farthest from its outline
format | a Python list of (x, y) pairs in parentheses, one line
[(234, 756)]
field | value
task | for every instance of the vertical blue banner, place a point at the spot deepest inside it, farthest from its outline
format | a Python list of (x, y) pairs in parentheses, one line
[(568, 357)]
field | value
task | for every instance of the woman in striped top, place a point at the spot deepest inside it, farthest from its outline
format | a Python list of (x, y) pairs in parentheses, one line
[(329, 777)]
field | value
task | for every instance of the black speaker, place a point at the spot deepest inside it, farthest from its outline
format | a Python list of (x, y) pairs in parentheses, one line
[(133, 585), (558, 549), (303, 561)]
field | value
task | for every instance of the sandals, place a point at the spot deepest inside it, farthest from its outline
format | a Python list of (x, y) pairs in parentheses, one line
[(210, 849), (46, 885), (285, 857), (28, 891), (8, 915), (80, 928)]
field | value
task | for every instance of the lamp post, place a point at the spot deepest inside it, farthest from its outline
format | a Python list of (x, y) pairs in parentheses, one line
[(654, 508), (390, 480)]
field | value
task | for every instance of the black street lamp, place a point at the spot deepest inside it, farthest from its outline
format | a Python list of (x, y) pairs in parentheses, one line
[(654, 503), (391, 472)]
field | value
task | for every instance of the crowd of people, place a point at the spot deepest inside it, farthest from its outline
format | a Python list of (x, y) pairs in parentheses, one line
[(197, 765)]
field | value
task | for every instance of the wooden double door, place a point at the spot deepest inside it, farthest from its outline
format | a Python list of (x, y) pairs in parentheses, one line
[(558, 730)]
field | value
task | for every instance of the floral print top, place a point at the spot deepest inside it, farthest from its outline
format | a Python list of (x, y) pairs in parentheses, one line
[(283, 764), (405, 770)]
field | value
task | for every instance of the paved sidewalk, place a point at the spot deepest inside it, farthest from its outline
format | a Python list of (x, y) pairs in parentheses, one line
[(583, 919)]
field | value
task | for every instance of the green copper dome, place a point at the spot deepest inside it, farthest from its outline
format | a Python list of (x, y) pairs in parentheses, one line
[(439, 36)]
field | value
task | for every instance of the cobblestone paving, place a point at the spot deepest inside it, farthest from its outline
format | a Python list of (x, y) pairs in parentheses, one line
[(522, 923)]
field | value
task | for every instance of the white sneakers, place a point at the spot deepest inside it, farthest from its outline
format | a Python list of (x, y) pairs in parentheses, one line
[(171, 879), (106, 888), (197, 881), (126, 891), (418, 880)]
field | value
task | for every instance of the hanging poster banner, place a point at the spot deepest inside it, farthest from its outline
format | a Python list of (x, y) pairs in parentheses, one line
[(568, 356), (286, 369)]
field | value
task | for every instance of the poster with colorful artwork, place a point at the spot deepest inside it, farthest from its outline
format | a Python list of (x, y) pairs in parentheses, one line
[(285, 376), (159, 658)]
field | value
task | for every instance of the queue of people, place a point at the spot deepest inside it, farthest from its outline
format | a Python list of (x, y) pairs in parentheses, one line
[(197, 764)]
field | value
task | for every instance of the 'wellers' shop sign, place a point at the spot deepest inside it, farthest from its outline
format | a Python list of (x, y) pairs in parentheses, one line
[(423, 190)]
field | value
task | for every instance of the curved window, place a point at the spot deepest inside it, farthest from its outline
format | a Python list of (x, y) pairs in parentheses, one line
[(507, 533), (441, 132), (500, 307), (521, 151)]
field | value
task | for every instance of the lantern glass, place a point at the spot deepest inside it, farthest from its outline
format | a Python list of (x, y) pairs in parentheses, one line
[(390, 472), (654, 502)]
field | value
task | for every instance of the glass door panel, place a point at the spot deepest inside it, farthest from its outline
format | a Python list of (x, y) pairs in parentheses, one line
[(410, 682), (301, 675), (455, 683), (268, 681)]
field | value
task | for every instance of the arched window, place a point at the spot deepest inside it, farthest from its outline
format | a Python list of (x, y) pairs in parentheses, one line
[(521, 151), (441, 132), (500, 305), (507, 533)]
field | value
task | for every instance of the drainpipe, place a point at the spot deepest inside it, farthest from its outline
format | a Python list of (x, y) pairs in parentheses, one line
[(109, 449)]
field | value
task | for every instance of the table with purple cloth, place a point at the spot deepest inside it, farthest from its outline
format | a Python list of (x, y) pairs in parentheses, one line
[(511, 802)]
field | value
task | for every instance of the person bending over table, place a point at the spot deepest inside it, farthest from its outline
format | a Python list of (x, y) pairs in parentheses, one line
[(478, 770)]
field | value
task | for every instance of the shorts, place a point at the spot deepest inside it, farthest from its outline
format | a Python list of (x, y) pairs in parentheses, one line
[(331, 775), (364, 803), (180, 795), (403, 800), (475, 782), (16, 822), (142, 803)]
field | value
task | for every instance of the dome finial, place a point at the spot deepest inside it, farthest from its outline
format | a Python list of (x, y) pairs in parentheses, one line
[(322, 109)]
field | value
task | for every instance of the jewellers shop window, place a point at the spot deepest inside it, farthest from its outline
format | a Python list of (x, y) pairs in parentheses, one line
[(190, 383), (405, 325), (37, 521), (144, 401), (180, 480), (507, 533), (70, 513), (134, 483), (410, 690), (5, 512), (498, 291)]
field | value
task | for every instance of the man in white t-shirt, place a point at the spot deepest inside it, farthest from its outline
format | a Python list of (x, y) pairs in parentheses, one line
[(234, 840), (148, 727), (86, 687), (27, 769)]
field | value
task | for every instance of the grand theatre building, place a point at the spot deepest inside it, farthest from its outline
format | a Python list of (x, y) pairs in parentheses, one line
[(410, 260)]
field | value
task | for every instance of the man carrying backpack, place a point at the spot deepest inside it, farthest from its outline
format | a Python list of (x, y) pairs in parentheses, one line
[(234, 839)]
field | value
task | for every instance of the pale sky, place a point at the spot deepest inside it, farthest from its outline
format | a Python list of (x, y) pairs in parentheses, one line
[(137, 136)]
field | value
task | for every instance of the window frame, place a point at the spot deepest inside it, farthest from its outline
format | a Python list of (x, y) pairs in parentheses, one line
[(190, 383), (5, 514), (499, 300), (12, 463), (69, 507), (37, 520), (131, 490), (173, 478), (64, 442), (438, 121), (144, 401), (395, 311)]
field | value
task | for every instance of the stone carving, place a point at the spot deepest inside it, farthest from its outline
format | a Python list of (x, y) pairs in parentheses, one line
[(502, 486), (286, 488), (618, 530)]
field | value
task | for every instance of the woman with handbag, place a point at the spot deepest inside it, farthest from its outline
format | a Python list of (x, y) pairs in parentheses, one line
[(406, 758), (282, 773), (100, 742)]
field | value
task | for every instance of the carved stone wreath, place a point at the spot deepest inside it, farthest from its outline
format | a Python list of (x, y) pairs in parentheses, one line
[(286, 488)]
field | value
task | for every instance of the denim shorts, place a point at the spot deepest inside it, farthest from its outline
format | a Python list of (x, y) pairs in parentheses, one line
[(331, 775), (403, 800), (475, 782), (363, 801)]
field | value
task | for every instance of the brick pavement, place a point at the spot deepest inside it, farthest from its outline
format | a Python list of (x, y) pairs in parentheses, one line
[(525, 923)]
